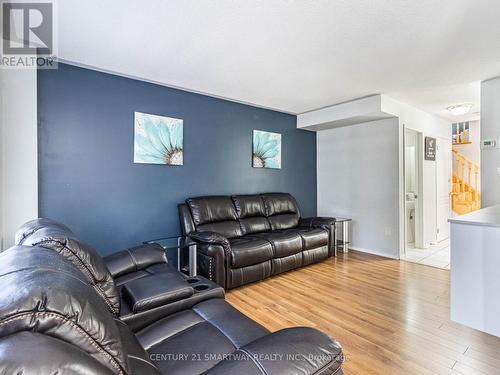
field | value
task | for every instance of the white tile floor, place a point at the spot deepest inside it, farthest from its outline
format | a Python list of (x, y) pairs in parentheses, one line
[(436, 255)]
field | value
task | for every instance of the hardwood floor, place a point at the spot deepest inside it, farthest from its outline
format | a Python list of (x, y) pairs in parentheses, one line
[(391, 317)]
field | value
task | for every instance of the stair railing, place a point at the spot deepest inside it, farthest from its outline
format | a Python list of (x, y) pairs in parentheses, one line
[(464, 169)]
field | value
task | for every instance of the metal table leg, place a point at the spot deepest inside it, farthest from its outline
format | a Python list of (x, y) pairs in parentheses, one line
[(192, 260), (345, 237)]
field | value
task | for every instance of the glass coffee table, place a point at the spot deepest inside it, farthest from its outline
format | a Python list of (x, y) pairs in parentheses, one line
[(179, 243)]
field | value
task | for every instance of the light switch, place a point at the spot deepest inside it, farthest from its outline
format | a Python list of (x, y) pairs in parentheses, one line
[(498, 172)]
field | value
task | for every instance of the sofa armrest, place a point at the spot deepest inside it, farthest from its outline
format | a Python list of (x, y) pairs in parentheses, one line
[(135, 259), (214, 254), (317, 222), (208, 237), (156, 290), (288, 351), (327, 223)]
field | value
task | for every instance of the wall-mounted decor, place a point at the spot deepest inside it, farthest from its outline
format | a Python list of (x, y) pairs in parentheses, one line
[(158, 139), (430, 148), (266, 150)]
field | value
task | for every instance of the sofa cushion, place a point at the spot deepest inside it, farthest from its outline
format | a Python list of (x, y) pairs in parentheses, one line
[(314, 237), (228, 229), (251, 213), (211, 209), (152, 291), (246, 251), (282, 210), (206, 334), (215, 214), (284, 243), (249, 206)]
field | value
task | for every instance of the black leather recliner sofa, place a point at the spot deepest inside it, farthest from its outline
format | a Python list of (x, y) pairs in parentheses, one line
[(60, 313), (246, 238), (137, 284)]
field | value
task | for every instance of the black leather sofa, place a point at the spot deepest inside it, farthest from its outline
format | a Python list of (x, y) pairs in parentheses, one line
[(61, 313), (246, 238), (137, 284)]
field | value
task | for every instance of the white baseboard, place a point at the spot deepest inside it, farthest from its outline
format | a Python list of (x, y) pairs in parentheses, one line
[(374, 252)]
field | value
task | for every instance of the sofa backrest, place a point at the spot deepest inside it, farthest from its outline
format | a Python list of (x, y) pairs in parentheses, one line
[(282, 210), (251, 213), (216, 214), (55, 236), (239, 214), (46, 300)]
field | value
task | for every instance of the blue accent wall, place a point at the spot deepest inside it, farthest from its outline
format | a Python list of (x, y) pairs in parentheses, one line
[(87, 176)]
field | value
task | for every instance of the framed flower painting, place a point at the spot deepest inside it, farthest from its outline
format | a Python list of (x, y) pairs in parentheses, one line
[(158, 139), (266, 150)]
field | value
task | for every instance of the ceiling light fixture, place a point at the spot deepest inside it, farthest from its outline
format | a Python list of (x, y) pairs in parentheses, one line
[(459, 110)]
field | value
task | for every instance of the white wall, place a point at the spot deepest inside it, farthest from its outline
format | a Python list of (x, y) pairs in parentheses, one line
[(430, 126), (490, 128), (18, 151), (358, 177)]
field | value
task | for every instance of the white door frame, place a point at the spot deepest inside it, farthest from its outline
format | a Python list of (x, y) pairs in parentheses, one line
[(450, 170), (418, 203)]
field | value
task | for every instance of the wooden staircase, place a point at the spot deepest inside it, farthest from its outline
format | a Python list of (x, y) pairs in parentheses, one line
[(465, 194)]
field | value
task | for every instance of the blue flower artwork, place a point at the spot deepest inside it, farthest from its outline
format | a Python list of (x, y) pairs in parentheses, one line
[(266, 150), (158, 140)]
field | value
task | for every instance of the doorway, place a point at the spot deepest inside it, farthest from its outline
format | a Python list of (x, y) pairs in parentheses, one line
[(413, 178), (427, 186)]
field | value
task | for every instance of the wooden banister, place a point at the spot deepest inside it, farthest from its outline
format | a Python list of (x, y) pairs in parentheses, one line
[(465, 193)]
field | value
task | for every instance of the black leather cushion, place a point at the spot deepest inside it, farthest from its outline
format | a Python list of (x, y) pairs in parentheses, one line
[(55, 299), (254, 225), (284, 243), (249, 206), (284, 352), (282, 210), (211, 330), (252, 213), (228, 229), (246, 251), (215, 214), (211, 209), (156, 290), (135, 259), (61, 240), (314, 237), (280, 203)]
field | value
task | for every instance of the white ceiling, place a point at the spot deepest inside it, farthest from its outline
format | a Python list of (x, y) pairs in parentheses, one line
[(293, 55)]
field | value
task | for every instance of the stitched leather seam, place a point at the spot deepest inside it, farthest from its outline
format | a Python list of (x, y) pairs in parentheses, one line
[(145, 302), (319, 371), (85, 268), (92, 341), (259, 366), (133, 260), (143, 360)]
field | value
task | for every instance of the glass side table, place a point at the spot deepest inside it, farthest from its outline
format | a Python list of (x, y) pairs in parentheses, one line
[(342, 226), (180, 243)]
